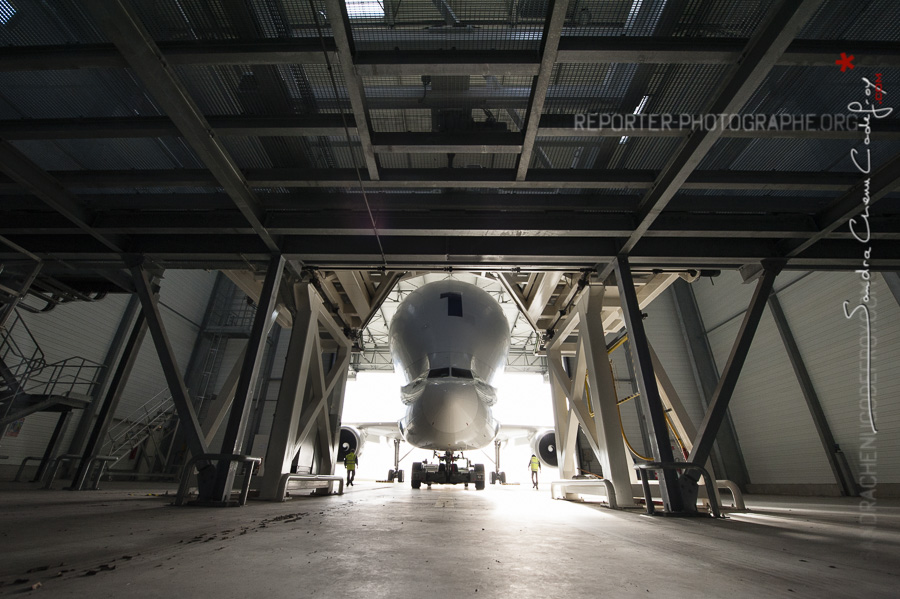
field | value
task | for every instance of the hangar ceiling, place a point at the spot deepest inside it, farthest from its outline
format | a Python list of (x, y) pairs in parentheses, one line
[(379, 138)]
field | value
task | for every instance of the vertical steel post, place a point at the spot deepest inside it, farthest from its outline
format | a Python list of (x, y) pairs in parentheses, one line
[(113, 355), (240, 408), (53, 444), (111, 402), (848, 487), (650, 399)]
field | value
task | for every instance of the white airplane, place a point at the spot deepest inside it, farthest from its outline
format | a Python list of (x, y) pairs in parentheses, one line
[(449, 340)]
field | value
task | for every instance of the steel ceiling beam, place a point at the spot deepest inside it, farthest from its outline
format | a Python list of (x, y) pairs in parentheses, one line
[(343, 39), (720, 204), (556, 18), (326, 220), (458, 178), (551, 125), (851, 204), (123, 27), (572, 49), (412, 252), (760, 55), (49, 190)]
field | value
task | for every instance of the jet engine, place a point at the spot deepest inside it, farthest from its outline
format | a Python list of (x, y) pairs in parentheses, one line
[(350, 439), (544, 447)]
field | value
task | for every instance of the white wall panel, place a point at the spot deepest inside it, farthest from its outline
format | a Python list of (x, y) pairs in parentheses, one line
[(830, 346), (664, 331), (776, 432), (74, 329), (188, 292)]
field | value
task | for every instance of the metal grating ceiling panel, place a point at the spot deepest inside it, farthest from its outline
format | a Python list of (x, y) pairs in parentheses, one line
[(808, 90), (83, 93), (172, 20), (802, 155), (603, 152), (661, 18), (620, 88), (465, 92), (59, 22), (866, 20), (416, 25), (263, 90)]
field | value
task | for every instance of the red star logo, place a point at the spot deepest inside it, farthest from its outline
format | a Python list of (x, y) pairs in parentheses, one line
[(846, 62)]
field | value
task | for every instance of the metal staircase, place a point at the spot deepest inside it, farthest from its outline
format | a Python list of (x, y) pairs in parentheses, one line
[(155, 415), (29, 384)]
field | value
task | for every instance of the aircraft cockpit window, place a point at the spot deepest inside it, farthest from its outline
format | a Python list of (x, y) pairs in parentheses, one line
[(462, 373), (439, 373)]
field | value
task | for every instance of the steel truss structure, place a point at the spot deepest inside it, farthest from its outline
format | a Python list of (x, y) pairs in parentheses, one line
[(326, 157)]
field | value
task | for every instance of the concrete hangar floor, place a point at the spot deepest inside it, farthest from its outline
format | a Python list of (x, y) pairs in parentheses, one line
[(388, 540)]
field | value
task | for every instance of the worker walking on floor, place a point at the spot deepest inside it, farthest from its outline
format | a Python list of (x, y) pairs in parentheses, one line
[(535, 465), (350, 462)]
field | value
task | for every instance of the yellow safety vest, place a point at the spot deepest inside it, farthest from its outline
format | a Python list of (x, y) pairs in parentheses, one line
[(350, 461), (535, 464)]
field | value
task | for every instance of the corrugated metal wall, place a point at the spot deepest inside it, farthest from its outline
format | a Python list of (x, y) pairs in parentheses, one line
[(182, 300), (87, 329), (76, 329), (775, 429), (830, 346), (664, 333)]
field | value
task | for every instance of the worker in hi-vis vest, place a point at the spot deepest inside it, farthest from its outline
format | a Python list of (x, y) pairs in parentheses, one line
[(535, 465), (350, 462)]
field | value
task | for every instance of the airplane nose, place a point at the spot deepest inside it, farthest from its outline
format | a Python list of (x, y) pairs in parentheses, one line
[(450, 408)]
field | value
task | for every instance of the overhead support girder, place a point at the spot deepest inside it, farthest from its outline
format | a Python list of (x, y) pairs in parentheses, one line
[(556, 18), (585, 394), (307, 413), (431, 178), (376, 63), (123, 26), (478, 253), (559, 126), (761, 53), (343, 40)]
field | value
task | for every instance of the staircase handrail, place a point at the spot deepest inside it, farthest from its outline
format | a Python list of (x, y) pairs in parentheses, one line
[(143, 417)]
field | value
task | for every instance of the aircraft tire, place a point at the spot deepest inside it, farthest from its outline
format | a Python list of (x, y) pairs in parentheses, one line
[(399, 474), (390, 475)]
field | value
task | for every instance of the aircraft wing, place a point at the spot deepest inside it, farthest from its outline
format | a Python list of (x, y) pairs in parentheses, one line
[(386, 430), (518, 432)]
